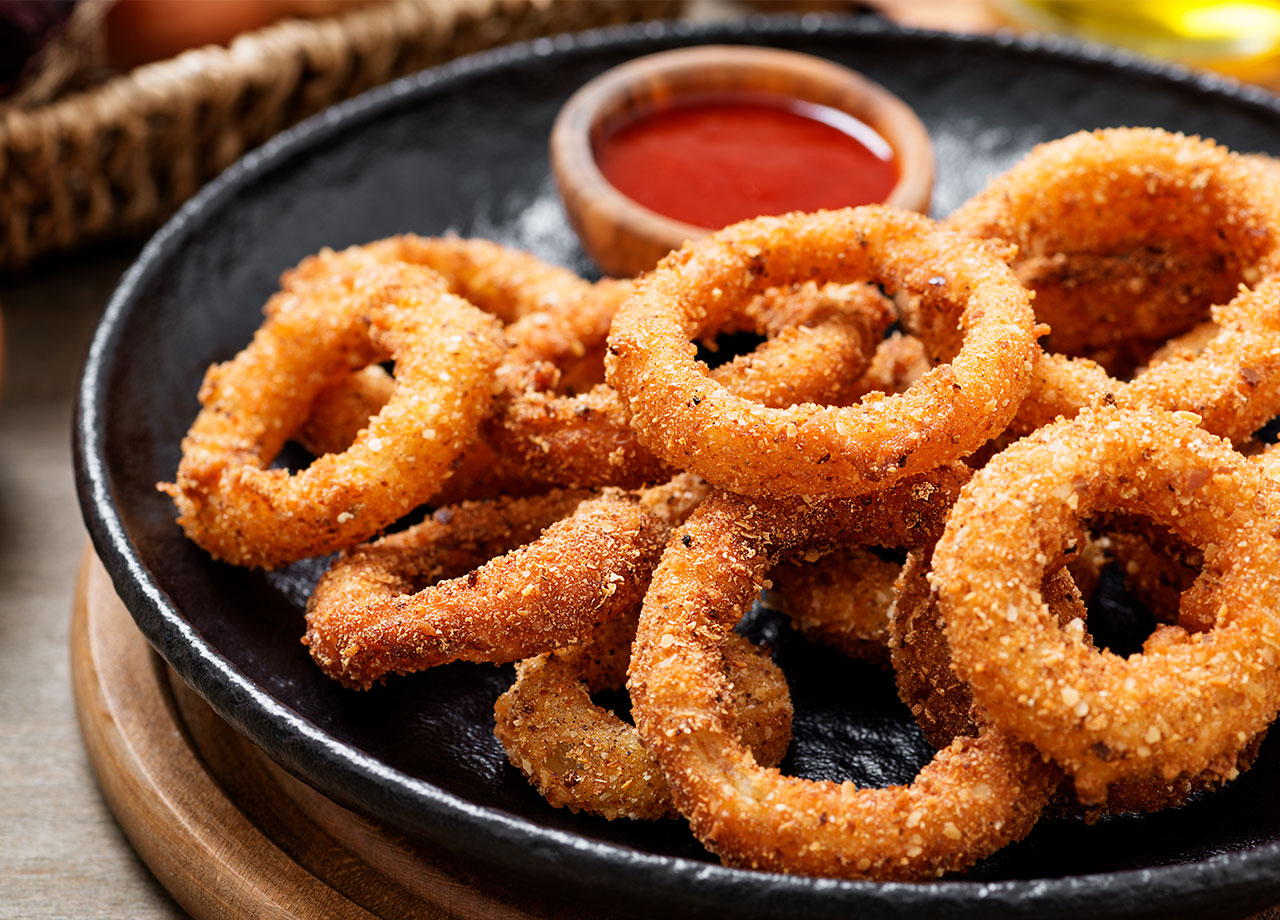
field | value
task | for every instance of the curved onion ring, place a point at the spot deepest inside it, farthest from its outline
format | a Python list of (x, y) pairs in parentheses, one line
[(1092, 217), (1232, 383), (694, 423), (551, 314), (943, 704), (446, 352), (342, 411), (1189, 702), (974, 797), (582, 757), (581, 560), (1107, 196), (940, 702), (819, 340)]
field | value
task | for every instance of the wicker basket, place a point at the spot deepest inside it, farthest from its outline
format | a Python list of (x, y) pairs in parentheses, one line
[(118, 158)]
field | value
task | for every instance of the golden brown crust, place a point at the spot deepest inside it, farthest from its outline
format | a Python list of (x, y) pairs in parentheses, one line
[(819, 342), (1090, 215), (975, 796), (1113, 273), (582, 757), (940, 702), (1188, 345), (555, 320), (899, 361), (819, 339), (342, 410), (240, 511), (551, 314), (576, 441), (943, 704), (1269, 462), (379, 609), (1188, 703), (841, 600), (692, 422)]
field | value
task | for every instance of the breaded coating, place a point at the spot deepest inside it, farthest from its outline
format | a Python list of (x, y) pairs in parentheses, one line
[(583, 757), (380, 610), (1136, 235), (446, 352), (696, 424), (976, 795), (841, 600), (1190, 701)]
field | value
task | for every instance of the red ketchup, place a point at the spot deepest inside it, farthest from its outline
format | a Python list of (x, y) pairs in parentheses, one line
[(716, 162)]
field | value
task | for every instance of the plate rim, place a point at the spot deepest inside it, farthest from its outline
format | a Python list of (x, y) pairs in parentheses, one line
[(496, 839)]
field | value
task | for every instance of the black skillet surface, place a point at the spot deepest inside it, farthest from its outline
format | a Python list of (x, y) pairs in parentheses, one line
[(463, 148)]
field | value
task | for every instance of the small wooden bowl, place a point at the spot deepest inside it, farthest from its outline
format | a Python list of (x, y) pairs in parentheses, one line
[(625, 238)]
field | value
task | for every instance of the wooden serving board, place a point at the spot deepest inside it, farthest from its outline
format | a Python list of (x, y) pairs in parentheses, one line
[(224, 829)]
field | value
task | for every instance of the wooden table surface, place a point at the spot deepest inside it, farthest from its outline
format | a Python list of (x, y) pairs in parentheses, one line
[(61, 853)]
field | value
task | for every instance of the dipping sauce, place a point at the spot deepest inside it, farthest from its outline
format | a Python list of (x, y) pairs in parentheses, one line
[(717, 162)]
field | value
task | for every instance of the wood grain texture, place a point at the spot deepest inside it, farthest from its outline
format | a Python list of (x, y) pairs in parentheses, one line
[(384, 871), (226, 831), (61, 852), (201, 847)]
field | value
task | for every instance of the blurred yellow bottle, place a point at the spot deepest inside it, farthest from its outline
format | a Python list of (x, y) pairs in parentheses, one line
[(1237, 37)]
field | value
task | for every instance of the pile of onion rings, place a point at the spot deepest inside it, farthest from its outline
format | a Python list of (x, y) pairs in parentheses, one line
[(602, 505)]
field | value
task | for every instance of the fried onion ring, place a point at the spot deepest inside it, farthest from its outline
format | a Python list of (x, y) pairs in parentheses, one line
[(974, 797), (340, 412), (1106, 197), (552, 316), (1188, 345), (694, 423), (940, 702), (380, 609), (572, 561), (446, 352), (1090, 214), (1190, 702), (819, 339), (943, 704), (582, 757)]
